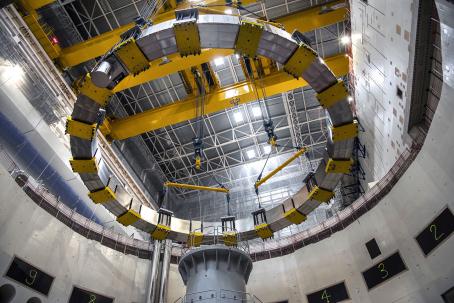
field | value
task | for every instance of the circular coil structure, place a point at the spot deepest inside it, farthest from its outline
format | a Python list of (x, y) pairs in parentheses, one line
[(188, 35)]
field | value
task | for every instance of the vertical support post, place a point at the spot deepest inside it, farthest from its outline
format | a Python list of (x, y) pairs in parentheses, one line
[(165, 271), (152, 287)]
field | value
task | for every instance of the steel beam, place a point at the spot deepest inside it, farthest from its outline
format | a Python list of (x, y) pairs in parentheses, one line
[(304, 21), (196, 187), (220, 99)]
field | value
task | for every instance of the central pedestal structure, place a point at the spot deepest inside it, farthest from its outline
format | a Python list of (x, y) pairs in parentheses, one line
[(215, 273)]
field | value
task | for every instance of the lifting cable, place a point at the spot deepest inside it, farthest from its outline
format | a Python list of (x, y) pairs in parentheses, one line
[(197, 141)]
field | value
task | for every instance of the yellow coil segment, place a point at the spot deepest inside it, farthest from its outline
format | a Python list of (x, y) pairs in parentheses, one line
[(129, 217), (102, 196), (332, 94), (80, 129)]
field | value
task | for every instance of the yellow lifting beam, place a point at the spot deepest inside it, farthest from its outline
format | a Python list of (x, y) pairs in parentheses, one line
[(196, 187), (176, 63), (129, 217), (220, 99), (280, 167), (304, 21), (32, 5)]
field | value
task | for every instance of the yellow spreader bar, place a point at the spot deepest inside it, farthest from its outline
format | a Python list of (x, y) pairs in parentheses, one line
[(196, 187), (280, 167)]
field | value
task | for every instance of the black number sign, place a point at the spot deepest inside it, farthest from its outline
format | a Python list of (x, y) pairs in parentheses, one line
[(386, 269), (332, 294), (436, 232), (30, 276), (84, 296)]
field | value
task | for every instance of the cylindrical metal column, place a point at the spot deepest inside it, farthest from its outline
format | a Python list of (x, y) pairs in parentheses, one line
[(215, 273), (153, 288), (165, 271)]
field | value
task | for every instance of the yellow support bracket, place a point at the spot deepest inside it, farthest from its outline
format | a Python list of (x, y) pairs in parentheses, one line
[(300, 61), (248, 38), (339, 166), (97, 94), (294, 216), (196, 187), (230, 238), (188, 38), (80, 129), (344, 132), (280, 167), (129, 217), (195, 239), (332, 94), (102, 196), (264, 231), (85, 166), (320, 194), (132, 57), (161, 232)]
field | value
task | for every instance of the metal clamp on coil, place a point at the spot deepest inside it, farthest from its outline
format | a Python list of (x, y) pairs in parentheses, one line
[(261, 225), (229, 233), (301, 59), (187, 32), (163, 227), (131, 216), (315, 192), (293, 215)]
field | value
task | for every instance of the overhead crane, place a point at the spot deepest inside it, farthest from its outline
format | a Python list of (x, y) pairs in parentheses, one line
[(97, 46), (218, 100)]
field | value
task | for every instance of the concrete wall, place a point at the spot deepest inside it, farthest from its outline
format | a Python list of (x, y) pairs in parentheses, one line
[(383, 42), (30, 233)]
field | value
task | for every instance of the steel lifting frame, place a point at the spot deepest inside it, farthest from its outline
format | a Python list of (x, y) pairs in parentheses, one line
[(197, 187)]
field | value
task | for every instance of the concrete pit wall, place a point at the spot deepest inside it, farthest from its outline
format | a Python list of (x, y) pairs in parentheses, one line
[(30, 233)]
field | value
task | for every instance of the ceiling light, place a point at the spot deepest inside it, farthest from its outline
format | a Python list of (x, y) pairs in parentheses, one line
[(350, 98), (267, 149), (219, 61), (14, 73), (250, 153), (228, 11), (238, 116), (237, 56), (345, 40), (256, 111)]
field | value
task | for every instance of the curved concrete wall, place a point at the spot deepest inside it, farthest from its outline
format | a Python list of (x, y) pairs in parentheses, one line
[(30, 233)]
